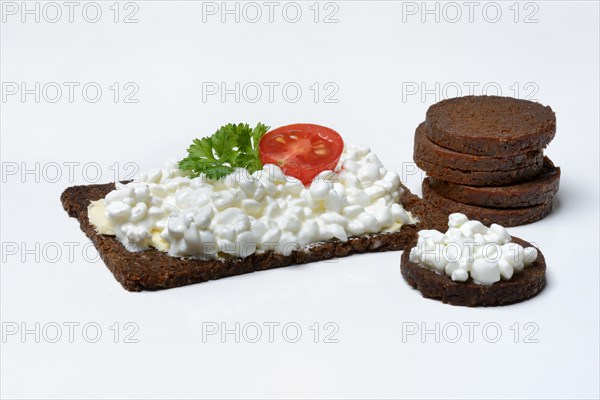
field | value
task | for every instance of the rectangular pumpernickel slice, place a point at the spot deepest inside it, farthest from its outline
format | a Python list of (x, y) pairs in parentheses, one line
[(155, 270)]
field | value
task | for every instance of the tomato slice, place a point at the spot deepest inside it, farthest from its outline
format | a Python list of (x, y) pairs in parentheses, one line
[(302, 150)]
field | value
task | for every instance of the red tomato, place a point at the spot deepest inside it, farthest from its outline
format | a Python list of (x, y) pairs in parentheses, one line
[(302, 150)]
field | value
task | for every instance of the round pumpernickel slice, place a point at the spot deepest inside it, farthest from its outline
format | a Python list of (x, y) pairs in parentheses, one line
[(533, 192), (522, 286), (490, 125), (426, 150), (479, 178), (488, 215)]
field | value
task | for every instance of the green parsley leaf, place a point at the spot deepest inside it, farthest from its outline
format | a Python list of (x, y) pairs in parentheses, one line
[(232, 146)]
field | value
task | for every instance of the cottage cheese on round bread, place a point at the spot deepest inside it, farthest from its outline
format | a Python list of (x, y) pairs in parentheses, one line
[(471, 248)]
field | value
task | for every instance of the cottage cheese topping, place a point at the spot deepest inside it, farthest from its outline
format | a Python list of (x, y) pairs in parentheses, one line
[(471, 248), (244, 213)]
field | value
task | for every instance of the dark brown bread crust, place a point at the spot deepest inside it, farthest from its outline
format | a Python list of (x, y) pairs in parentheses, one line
[(426, 150), (521, 286), (479, 178), (539, 190), (490, 125), (503, 216), (154, 270)]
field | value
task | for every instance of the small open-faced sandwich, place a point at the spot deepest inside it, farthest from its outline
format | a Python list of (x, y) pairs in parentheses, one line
[(473, 265)]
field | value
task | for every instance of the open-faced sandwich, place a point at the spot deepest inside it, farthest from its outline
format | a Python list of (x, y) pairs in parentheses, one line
[(245, 200), (473, 265)]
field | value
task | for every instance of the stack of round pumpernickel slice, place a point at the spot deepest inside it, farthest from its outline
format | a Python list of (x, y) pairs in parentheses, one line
[(484, 157)]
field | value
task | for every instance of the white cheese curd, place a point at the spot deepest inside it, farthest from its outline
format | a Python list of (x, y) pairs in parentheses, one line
[(471, 248), (244, 213)]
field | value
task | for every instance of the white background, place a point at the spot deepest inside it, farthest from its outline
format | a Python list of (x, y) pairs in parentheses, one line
[(376, 53)]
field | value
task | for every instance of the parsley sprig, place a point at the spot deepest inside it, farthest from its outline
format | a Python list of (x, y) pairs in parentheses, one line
[(232, 146)]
